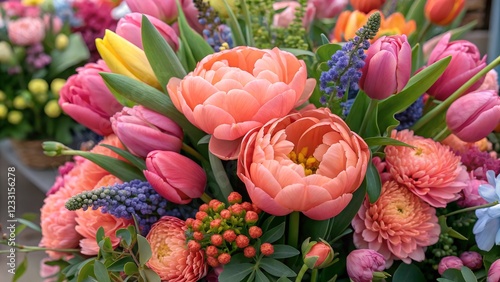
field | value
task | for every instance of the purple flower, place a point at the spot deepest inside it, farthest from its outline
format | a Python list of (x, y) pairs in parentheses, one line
[(487, 227)]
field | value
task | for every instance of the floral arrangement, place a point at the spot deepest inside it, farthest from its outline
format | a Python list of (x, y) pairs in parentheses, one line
[(241, 144)]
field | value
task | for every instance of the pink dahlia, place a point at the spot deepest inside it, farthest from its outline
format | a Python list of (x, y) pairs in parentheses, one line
[(171, 258), (430, 170), (398, 225)]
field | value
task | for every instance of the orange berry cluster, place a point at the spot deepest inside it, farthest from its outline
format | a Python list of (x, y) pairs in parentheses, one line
[(222, 231)]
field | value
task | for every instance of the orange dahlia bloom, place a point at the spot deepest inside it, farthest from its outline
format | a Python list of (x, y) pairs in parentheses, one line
[(350, 21), (398, 225), (233, 91), (309, 162), (430, 170), (171, 259)]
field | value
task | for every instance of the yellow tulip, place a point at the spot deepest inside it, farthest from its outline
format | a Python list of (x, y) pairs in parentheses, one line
[(123, 57), (32, 2)]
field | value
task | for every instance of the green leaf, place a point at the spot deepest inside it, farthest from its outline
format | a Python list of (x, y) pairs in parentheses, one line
[(324, 39), (100, 271), (130, 268), (355, 116), (416, 58), (234, 272), (105, 246), (21, 269), (326, 51), (276, 268), (125, 171), (298, 52), (119, 265), (453, 275), (28, 224), (161, 56), (248, 23), (383, 141), (232, 21), (136, 161), (199, 47), (373, 184), (416, 13), (99, 236), (75, 53), (125, 235), (260, 276), (151, 276), (284, 251), (86, 269), (144, 250), (316, 229), (408, 273), (468, 274), (220, 175), (459, 32), (343, 219), (274, 234)]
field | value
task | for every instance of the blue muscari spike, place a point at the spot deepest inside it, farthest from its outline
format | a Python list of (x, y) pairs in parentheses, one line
[(411, 114)]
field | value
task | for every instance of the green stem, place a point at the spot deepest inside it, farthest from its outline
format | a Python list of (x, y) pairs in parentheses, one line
[(372, 107), (446, 103), (472, 208), (188, 149), (314, 275), (293, 231), (443, 134), (22, 248), (423, 31), (205, 198), (302, 271)]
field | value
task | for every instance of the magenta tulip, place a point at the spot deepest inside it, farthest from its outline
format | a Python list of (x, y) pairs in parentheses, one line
[(473, 116), (387, 67), (328, 9), (175, 177), (465, 63), (362, 263), (87, 100), (142, 131), (129, 27)]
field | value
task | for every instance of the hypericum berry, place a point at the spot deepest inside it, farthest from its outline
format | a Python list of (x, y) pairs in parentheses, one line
[(251, 217), (249, 252), (194, 246), (189, 222), (216, 240), (213, 261), (214, 203), (234, 198), (255, 232), (229, 235), (256, 209), (204, 208), (212, 251), (242, 241), (201, 215), (247, 206), (224, 258), (198, 236), (225, 214), (267, 249), (237, 210), (197, 225), (215, 223)]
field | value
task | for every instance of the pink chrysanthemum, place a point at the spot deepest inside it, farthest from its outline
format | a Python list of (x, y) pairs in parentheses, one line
[(398, 225), (171, 258), (430, 170)]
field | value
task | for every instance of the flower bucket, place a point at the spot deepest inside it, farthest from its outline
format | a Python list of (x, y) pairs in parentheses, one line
[(30, 153)]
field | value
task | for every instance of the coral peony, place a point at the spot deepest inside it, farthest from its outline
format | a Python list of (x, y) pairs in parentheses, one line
[(171, 258), (430, 170), (233, 91), (309, 162), (398, 225)]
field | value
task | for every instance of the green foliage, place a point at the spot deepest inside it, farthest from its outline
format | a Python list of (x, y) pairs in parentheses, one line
[(408, 273)]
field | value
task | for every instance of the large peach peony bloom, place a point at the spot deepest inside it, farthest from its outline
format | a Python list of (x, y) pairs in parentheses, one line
[(398, 225), (308, 161), (430, 170), (233, 91), (171, 258)]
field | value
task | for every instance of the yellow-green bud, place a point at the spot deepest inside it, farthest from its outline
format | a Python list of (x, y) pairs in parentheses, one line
[(20, 102), (52, 109), (2, 96), (42, 98), (6, 53), (15, 117), (38, 86), (3, 111), (61, 41), (56, 86)]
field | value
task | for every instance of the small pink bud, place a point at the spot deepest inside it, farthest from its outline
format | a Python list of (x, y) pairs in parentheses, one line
[(216, 239), (249, 252), (212, 261), (449, 262), (267, 249), (224, 258), (234, 198), (362, 263), (229, 236), (255, 232), (215, 223), (194, 246), (225, 214), (242, 241), (472, 260), (251, 217), (212, 251), (201, 215), (198, 236)]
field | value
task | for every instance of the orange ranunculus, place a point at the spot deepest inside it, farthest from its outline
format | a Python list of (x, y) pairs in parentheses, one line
[(350, 21), (309, 161), (233, 91), (443, 12)]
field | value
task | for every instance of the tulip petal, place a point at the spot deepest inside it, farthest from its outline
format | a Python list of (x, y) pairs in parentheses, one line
[(164, 189), (381, 67)]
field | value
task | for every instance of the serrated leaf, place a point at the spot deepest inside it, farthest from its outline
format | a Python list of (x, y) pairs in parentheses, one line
[(130, 268), (408, 273), (21, 269), (276, 268), (234, 272), (373, 183), (158, 52), (284, 251), (100, 271), (144, 249), (274, 234), (136, 161)]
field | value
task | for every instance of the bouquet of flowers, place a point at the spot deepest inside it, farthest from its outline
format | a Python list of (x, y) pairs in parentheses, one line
[(252, 148)]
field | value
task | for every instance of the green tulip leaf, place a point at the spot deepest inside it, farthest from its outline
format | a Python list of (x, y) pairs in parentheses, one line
[(374, 186), (135, 160), (125, 171), (232, 21)]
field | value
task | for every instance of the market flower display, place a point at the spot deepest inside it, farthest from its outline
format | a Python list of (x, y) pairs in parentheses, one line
[(312, 156), (234, 91)]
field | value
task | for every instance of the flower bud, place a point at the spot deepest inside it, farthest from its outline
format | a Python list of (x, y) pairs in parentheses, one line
[(251, 217), (20, 102), (387, 60), (56, 85), (3, 111), (5, 52), (38, 86), (317, 254), (216, 240), (267, 249), (474, 115), (249, 252), (224, 258), (242, 241), (472, 260), (234, 198), (212, 251), (229, 236), (52, 109), (361, 264), (14, 117), (62, 41), (443, 12), (449, 262), (255, 232)]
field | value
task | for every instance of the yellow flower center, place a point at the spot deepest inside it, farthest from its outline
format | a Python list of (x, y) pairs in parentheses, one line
[(309, 163), (163, 251)]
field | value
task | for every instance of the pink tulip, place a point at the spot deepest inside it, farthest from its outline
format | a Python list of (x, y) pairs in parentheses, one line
[(472, 260), (129, 27), (26, 31), (309, 162), (387, 67), (494, 272), (318, 255), (233, 91), (175, 177), (362, 263), (465, 63), (490, 81), (142, 131), (166, 10), (473, 116), (449, 262), (285, 18), (87, 100), (328, 9)]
